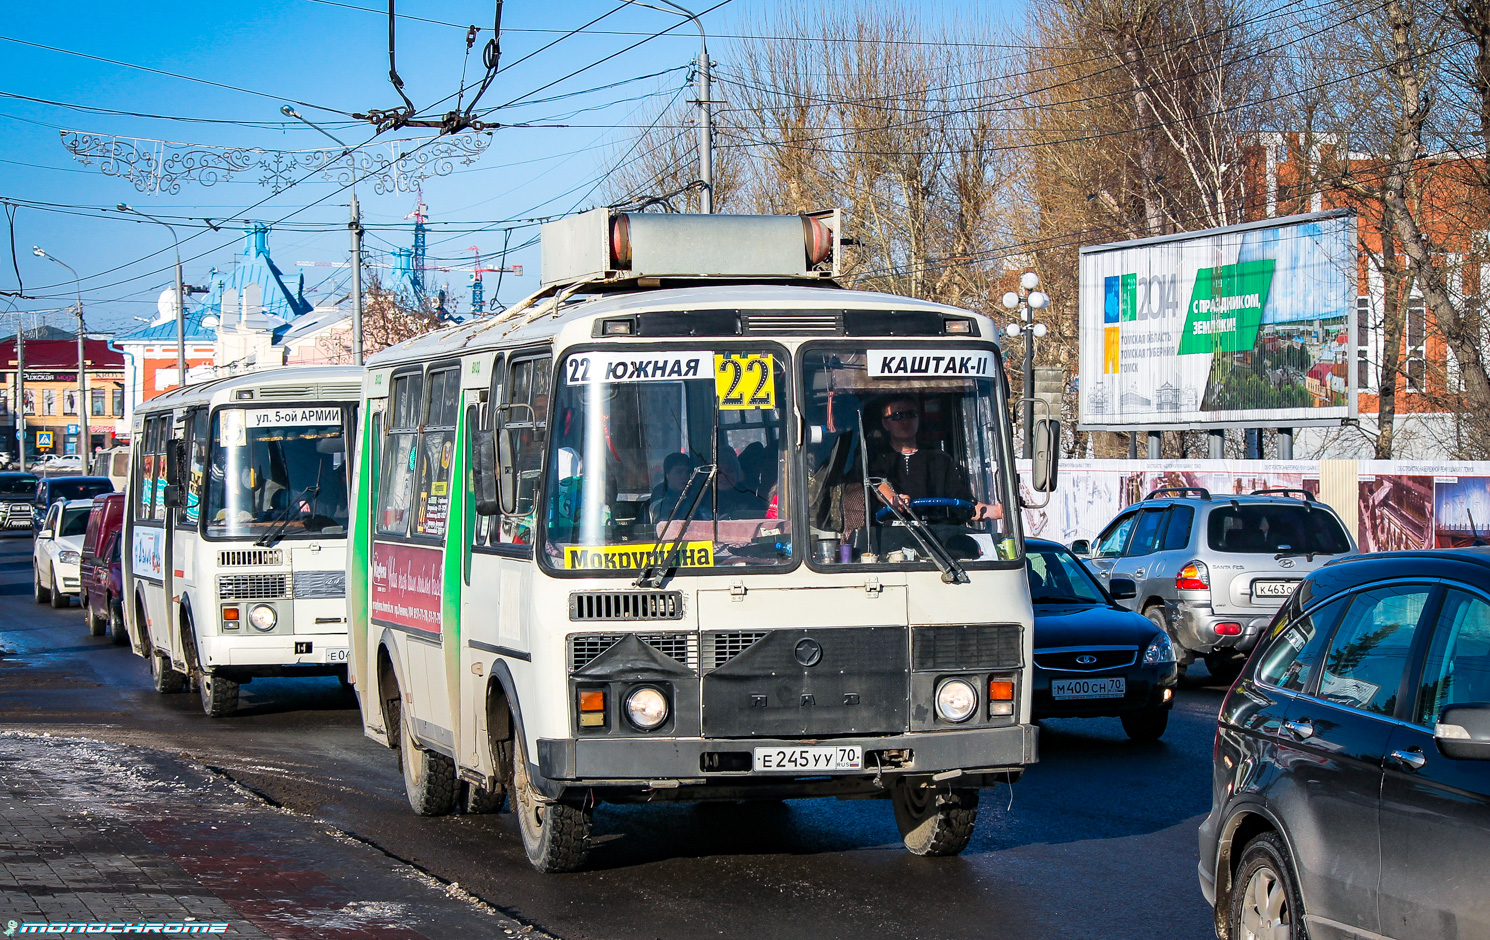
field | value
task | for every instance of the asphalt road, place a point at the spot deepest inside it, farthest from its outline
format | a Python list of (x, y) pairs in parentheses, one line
[(1097, 840)]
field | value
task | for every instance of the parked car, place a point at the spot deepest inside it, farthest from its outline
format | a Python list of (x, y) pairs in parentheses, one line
[(58, 549), (100, 578), (112, 463), (17, 491), (1351, 784), (1212, 572), (51, 489), (59, 463), (1094, 658)]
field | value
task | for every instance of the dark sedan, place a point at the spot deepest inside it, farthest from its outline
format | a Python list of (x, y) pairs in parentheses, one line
[(51, 489), (1093, 658), (1351, 781)]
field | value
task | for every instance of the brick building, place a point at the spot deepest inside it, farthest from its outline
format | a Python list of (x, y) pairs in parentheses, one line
[(51, 394)]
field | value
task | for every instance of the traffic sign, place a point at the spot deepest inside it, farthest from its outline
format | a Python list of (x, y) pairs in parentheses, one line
[(43, 440), (72, 429)]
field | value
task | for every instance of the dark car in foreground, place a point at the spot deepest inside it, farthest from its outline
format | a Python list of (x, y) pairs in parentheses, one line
[(51, 489), (1093, 658), (1351, 780)]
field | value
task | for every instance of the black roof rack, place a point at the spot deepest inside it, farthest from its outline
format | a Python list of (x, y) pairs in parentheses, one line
[(1284, 491), (1180, 490)]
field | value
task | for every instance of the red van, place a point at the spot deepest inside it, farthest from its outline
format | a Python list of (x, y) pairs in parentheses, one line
[(100, 571)]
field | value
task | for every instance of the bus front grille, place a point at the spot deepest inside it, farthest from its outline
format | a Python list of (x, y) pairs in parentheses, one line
[(625, 605), (970, 647), (809, 323), (250, 557), (682, 648), (253, 587), (720, 648)]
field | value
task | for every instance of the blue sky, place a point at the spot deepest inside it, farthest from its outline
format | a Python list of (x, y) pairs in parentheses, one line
[(332, 57)]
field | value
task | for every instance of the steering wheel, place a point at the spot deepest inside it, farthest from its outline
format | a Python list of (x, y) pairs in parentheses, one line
[(929, 502)]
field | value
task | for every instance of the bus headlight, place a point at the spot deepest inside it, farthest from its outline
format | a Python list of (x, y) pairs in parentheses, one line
[(956, 700), (646, 708), (263, 617)]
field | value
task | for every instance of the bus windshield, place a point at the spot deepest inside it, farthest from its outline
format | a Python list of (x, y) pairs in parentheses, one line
[(906, 456), (648, 447), (279, 470)]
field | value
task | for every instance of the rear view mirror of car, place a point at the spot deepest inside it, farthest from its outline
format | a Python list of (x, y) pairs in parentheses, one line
[(44, 534), (1082, 547), (1123, 589), (1463, 732)]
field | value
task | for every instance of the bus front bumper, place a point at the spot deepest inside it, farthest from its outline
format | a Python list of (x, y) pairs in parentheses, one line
[(665, 763)]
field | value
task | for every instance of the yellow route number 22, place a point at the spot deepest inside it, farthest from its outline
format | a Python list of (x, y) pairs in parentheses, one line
[(744, 381)]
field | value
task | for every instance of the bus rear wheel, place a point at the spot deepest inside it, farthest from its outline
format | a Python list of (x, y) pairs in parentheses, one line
[(219, 694), (556, 835), (167, 680), (429, 778), (935, 822)]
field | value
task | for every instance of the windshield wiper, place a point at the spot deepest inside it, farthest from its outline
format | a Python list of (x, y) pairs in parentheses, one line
[(952, 572), (276, 532), (1308, 555), (647, 579)]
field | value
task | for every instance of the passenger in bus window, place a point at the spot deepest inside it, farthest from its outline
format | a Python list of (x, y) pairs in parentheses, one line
[(667, 496), (915, 472), (737, 500)]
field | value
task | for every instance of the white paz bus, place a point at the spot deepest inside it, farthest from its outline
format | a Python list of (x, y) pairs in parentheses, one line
[(693, 523), (236, 527)]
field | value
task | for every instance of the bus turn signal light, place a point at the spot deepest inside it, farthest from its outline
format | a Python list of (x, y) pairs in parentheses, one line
[(1000, 697), (591, 708)]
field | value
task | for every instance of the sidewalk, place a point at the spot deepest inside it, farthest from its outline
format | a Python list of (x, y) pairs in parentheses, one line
[(135, 839)]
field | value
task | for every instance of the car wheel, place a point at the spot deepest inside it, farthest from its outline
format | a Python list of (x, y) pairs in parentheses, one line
[(59, 600), (42, 594), (97, 626), (1145, 725), (118, 630), (1225, 665), (219, 694), (934, 822), (556, 835), (1265, 900)]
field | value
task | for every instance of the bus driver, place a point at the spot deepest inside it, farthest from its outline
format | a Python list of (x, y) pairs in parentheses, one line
[(913, 472)]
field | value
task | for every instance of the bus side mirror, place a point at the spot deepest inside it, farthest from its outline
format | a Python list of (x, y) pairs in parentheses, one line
[(485, 467), (1046, 463), (507, 469), (175, 472)]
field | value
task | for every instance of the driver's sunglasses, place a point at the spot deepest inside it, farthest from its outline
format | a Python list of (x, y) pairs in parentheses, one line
[(902, 415)]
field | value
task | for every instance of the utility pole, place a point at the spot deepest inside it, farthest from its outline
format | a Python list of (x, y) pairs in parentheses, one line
[(705, 125), (21, 391), (84, 445), (356, 226)]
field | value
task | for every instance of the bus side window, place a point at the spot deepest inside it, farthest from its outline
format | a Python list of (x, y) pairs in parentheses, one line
[(144, 467), (400, 454), (437, 452), (525, 425), (196, 462)]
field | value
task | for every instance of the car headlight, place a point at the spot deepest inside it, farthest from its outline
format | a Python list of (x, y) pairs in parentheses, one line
[(646, 708), (67, 558), (263, 617), (1160, 651), (956, 700)]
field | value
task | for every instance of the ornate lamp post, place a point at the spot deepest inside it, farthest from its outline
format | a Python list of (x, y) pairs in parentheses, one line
[(1027, 300), (85, 445)]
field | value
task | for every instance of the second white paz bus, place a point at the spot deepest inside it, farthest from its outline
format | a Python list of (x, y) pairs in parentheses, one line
[(693, 523), (236, 525)]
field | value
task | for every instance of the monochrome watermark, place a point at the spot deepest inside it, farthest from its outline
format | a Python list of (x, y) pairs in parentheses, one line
[(13, 928)]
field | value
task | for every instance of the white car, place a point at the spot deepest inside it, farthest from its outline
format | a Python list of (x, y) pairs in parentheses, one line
[(58, 548)]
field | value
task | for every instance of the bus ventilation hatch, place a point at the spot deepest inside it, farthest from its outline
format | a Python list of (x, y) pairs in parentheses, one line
[(720, 648), (249, 557), (626, 605)]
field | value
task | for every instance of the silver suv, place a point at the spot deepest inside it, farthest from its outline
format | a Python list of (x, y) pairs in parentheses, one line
[(1212, 571)]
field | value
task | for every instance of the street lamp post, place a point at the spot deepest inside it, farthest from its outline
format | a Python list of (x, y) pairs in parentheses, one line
[(705, 106), (355, 226), (84, 444), (180, 293), (1027, 300)]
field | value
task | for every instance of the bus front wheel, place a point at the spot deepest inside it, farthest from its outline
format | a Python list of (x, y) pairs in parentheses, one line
[(556, 835), (935, 822)]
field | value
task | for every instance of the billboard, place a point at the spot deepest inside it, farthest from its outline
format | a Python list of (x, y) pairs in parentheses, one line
[(1247, 326)]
